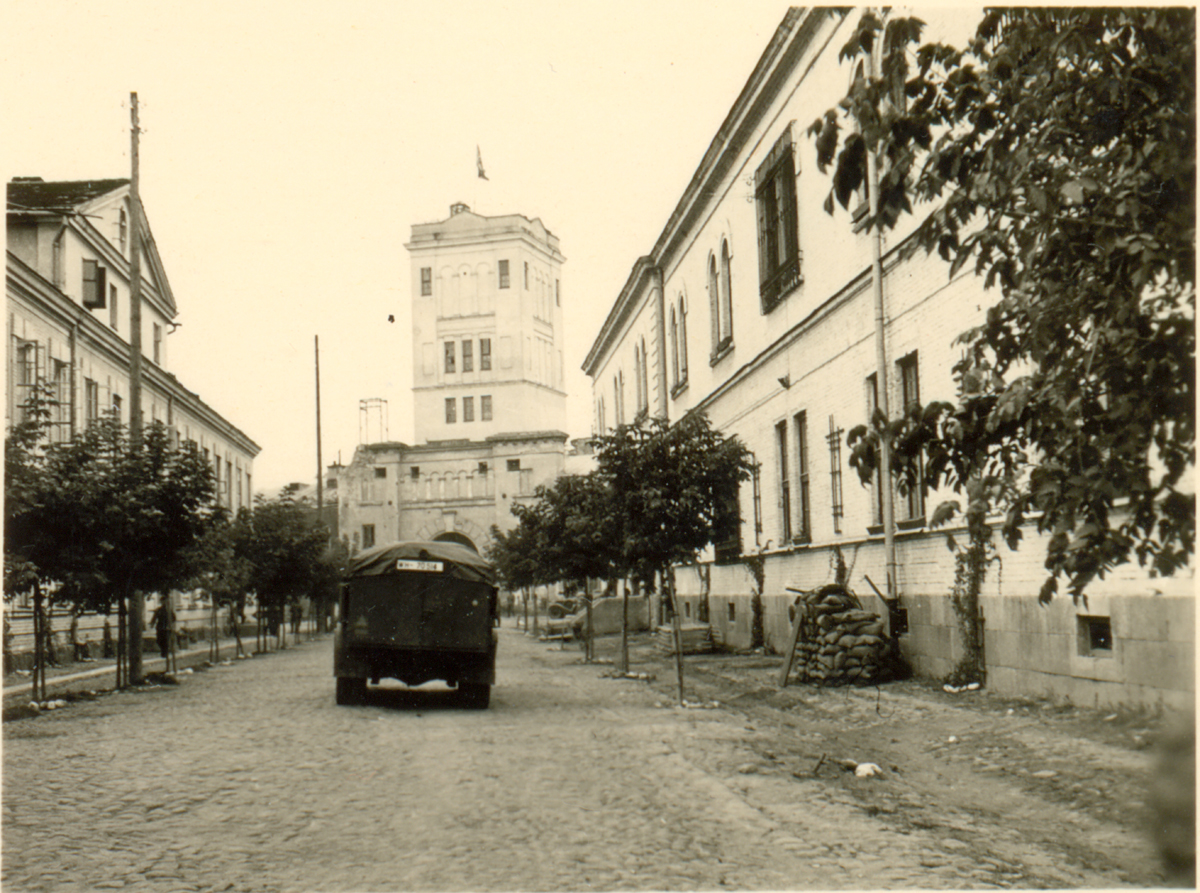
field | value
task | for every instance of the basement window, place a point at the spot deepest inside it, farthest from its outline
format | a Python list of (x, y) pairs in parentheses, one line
[(1094, 636)]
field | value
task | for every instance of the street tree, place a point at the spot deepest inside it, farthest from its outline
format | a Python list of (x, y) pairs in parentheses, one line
[(571, 522), (1056, 154), (284, 548), (673, 491), (95, 520), (514, 553)]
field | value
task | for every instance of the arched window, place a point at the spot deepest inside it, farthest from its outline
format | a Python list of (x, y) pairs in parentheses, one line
[(714, 303), (644, 382), (123, 229), (683, 348), (673, 345), (726, 295)]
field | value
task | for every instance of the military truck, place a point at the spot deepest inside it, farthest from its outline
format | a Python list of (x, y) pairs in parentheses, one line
[(418, 612)]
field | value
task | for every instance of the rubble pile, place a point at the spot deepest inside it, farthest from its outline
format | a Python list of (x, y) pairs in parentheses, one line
[(839, 642)]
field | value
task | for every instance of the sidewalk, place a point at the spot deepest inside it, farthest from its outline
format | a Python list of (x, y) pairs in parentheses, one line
[(103, 671)]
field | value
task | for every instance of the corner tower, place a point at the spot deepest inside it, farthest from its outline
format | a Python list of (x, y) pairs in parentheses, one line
[(487, 327)]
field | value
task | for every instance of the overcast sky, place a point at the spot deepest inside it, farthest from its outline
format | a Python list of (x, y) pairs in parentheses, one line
[(288, 148)]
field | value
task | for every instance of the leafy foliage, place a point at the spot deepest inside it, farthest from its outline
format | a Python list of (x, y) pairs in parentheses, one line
[(1056, 153), (99, 518), (284, 549), (673, 490)]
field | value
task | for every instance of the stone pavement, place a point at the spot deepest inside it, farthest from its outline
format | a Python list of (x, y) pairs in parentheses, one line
[(248, 777)]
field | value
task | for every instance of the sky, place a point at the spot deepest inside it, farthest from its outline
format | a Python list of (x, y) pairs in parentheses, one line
[(287, 149)]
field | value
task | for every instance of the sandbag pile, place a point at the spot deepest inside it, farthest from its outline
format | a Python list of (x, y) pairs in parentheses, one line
[(694, 638), (839, 643)]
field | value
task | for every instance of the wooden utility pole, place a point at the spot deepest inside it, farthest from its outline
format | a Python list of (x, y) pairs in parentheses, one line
[(887, 509), (137, 608), (320, 473)]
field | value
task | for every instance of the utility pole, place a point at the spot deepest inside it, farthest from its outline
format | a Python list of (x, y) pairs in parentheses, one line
[(320, 469), (887, 507), (136, 603)]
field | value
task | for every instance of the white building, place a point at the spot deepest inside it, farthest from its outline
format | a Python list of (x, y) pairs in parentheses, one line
[(489, 396), (67, 282), (756, 306)]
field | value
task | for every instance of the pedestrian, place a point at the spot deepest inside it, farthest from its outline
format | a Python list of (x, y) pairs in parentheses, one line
[(297, 617), (162, 626), (76, 648)]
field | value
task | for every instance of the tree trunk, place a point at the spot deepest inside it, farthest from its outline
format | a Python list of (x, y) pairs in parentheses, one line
[(668, 577), (122, 644), (625, 628), (39, 659), (214, 651), (590, 650), (134, 618)]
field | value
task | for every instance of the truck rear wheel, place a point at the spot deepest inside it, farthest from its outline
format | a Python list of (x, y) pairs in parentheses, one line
[(475, 695), (351, 690)]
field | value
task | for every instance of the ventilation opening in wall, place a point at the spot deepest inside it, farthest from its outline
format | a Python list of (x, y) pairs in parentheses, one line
[(1095, 636)]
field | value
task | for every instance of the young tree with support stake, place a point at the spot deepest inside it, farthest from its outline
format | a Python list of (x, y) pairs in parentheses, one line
[(1056, 153), (673, 491)]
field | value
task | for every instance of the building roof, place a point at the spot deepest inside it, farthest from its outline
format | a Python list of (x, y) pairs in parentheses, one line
[(35, 194)]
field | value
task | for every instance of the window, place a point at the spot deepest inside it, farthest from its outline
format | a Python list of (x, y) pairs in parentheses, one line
[(426, 281), (380, 472), (158, 343), (720, 338), (877, 478), (910, 395), (683, 349), (514, 465), (468, 409), (732, 612), (415, 472), (673, 346), (112, 306), (95, 289), (527, 275), (728, 550), (485, 354), (1094, 636), (778, 241), (525, 483), (785, 494), (834, 438), (804, 528), (557, 295), (725, 295), (449, 351), (485, 408), (368, 536), (90, 401), (468, 357), (116, 406), (122, 229), (504, 274), (451, 411)]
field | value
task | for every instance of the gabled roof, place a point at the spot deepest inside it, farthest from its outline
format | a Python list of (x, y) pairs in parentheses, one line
[(35, 194)]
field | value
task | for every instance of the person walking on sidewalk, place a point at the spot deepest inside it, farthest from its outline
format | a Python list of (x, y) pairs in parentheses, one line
[(162, 625)]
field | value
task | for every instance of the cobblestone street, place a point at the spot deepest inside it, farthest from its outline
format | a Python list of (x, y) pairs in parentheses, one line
[(247, 777)]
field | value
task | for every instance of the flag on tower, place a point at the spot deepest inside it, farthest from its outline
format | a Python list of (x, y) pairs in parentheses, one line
[(479, 163)]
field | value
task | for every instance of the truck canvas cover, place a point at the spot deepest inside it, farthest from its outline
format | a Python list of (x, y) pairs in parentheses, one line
[(457, 561)]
